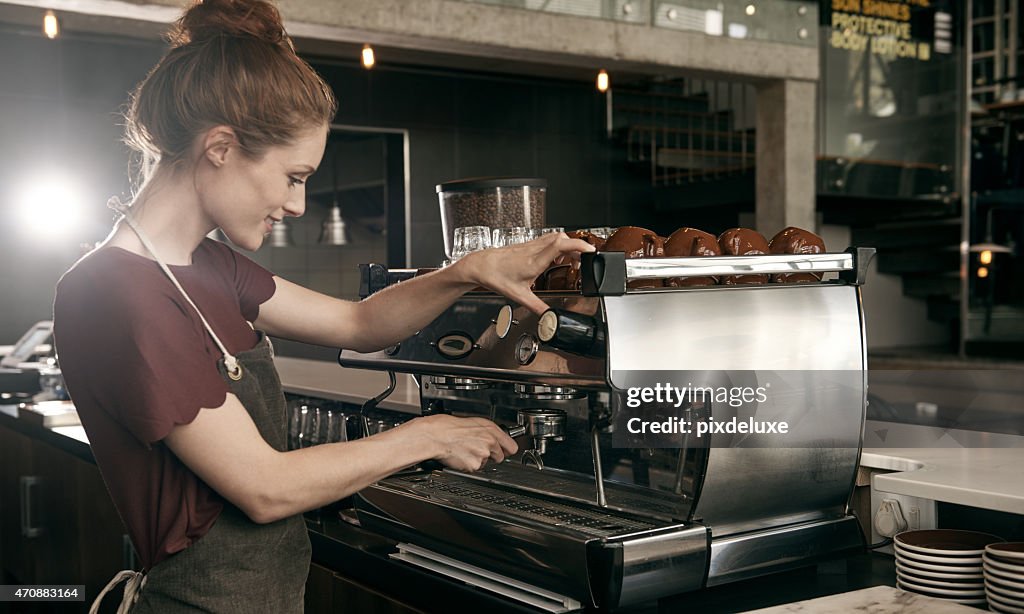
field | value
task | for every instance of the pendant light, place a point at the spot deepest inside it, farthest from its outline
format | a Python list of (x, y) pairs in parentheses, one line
[(280, 235), (333, 231)]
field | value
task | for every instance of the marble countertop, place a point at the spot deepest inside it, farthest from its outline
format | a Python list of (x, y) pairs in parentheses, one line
[(877, 600), (963, 467)]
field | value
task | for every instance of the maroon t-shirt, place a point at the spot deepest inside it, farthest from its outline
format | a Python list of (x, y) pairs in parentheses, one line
[(138, 361)]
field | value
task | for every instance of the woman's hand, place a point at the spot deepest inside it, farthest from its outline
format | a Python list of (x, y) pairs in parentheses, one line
[(465, 444), (512, 270)]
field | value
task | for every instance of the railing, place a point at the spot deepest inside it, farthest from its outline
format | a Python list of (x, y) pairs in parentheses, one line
[(784, 21)]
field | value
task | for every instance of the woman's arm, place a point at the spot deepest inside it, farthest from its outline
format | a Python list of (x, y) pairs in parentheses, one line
[(224, 448), (395, 313)]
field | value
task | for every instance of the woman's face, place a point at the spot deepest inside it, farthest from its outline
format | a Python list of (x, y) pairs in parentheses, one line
[(247, 196)]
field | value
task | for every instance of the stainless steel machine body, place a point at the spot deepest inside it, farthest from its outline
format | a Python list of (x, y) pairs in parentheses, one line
[(611, 525)]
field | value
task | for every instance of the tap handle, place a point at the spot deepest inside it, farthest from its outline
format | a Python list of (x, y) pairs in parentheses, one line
[(572, 332)]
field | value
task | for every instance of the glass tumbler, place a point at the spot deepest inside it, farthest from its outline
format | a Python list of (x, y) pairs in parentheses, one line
[(504, 237), (470, 239)]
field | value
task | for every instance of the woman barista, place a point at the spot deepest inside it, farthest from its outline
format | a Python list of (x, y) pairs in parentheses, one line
[(177, 392)]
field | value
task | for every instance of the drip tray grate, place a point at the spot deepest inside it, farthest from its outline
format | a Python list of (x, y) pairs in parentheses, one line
[(461, 491)]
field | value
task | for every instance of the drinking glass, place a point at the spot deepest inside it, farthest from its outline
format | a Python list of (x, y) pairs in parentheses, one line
[(511, 236), (601, 231), (470, 239)]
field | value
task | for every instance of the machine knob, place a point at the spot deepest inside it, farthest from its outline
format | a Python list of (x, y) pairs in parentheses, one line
[(572, 332), (504, 322)]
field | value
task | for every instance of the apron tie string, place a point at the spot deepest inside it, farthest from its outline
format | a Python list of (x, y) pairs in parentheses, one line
[(136, 580)]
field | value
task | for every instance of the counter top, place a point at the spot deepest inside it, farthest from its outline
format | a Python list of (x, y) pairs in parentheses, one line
[(877, 599), (967, 468), (328, 380)]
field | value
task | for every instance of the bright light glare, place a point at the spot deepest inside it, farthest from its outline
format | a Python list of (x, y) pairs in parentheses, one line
[(982, 272), (602, 81), (49, 206), (986, 257), (50, 26), (368, 58)]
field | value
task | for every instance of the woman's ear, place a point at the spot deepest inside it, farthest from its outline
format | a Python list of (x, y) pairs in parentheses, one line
[(218, 144)]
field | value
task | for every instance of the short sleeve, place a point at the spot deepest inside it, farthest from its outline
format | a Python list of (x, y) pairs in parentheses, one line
[(132, 347), (253, 283)]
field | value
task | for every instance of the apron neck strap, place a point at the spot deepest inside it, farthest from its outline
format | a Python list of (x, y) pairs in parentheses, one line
[(230, 362)]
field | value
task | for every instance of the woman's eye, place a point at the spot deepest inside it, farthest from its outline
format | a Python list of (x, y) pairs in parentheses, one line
[(294, 181)]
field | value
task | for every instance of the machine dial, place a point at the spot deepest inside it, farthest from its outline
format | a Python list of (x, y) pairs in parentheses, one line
[(455, 345), (547, 326), (526, 349), (504, 322)]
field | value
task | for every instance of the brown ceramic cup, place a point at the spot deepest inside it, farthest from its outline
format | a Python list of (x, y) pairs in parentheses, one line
[(743, 242), (637, 242), (690, 242), (564, 272), (793, 240)]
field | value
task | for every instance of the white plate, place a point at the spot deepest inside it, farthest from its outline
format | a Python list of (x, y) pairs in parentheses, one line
[(939, 583), (947, 542), (1001, 574), (973, 570), (1008, 595), (1006, 602), (939, 560), (1009, 563), (1010, 568), (1005, 584), (954, 577), (920, 588), (1009, 550), (995, 606), (964, 601)]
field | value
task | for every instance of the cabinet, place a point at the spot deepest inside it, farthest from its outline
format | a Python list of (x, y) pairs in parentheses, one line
[(57, 522), (329, 593)]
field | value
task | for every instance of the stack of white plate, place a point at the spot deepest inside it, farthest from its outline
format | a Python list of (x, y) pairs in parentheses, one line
[(1004, 577), (943, 563)]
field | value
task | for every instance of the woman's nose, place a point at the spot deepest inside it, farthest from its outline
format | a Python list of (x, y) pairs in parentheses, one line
[(296, 206)]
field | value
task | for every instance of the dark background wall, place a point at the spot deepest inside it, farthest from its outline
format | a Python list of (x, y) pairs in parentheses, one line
[(60, 105)]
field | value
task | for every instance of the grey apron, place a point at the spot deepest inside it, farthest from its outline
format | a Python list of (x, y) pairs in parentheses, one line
[(239, 566)]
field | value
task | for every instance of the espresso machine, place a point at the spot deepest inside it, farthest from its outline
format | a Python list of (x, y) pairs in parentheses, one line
[(592, 513)]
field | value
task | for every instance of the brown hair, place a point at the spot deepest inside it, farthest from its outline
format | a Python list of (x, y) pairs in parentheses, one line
[(230, 63)]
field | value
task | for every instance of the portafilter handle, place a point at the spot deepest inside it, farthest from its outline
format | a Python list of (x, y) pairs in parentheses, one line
[(541, 425)]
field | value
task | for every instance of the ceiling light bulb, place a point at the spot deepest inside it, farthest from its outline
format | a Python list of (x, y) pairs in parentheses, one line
[(985, 257), (368, 59), (982, 272), (602, 81), (50, 26), (751, 9)]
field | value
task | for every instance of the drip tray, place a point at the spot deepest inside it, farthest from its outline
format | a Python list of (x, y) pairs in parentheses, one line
[(467, 493)]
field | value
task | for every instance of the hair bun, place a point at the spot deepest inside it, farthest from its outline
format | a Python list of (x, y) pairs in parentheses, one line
[(209, 19)]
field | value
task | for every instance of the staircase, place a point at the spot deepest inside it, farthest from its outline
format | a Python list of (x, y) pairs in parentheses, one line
[(695, 141), (679, 132)]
